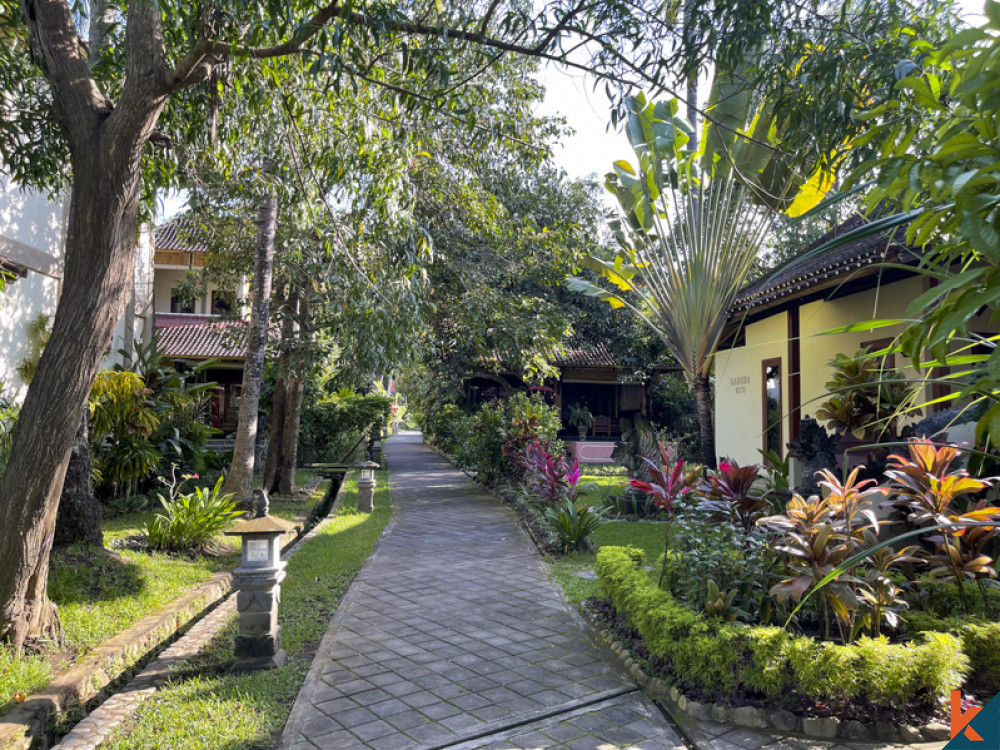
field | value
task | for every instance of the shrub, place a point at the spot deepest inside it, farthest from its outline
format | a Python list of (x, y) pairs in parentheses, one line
[(549, 474), (330, 427), (980, 643), (771, 661), (191, 520), (573, 526)]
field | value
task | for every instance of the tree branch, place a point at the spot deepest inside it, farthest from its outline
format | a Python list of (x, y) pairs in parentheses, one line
[(57, 48)]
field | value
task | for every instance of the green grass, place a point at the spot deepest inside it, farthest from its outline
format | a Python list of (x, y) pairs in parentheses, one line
[(203, 707), (101, 594), (614, 483), (648, 535)]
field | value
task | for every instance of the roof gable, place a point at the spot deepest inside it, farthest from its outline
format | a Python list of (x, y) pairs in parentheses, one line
[(805, 273)]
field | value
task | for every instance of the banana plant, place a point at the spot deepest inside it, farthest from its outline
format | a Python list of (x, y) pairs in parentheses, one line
[(693, 221)]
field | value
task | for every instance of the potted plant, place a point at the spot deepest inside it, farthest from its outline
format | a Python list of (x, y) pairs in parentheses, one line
[(579, 416), (865, 402)]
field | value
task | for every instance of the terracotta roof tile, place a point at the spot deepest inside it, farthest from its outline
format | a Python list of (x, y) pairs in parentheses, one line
[(857, 259), (179, 234), (201, 339), (590, 356)]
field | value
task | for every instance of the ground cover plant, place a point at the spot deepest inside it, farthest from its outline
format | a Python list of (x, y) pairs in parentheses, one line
[(203, 706)]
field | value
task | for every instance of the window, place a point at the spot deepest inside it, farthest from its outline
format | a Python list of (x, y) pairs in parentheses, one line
[(771, 403), (222, 303), (180, 304)]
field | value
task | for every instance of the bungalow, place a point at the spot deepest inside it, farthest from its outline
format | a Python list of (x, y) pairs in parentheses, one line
[(588, 375), (773, 368)]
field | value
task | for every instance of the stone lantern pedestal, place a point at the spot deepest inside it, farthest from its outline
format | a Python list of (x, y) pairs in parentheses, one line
[(257, 581), (366, 487)]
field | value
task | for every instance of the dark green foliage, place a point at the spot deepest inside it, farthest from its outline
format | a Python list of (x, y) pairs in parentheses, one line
[(332, 426), (573, 526), (493, 439), (771, 661), (672, 407), (706, 549), (190, 521)]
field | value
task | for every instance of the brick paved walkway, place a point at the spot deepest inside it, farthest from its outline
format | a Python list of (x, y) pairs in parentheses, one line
[(453, 636)]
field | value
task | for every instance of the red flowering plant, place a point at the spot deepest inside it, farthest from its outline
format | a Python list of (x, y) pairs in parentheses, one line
[(668, 483), (727, 491), (549, 476)]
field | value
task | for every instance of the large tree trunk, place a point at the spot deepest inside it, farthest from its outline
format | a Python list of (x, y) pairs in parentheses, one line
[(290, 435), (99, 254), (294, 389), (79, 518), (240, 478), (106, 146), (703, 397), (276, 417), (275, 430)]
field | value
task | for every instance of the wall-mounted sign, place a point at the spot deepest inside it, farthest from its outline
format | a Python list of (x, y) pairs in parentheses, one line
[(740, 383)]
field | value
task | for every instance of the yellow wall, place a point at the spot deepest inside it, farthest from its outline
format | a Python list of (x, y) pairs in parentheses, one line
[(886, 302), (739, 416), (738, 374)]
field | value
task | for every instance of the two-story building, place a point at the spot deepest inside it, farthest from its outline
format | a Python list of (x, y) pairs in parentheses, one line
[(194, 328)]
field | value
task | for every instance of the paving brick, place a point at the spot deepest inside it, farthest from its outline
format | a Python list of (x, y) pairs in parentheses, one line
[(454, 629)]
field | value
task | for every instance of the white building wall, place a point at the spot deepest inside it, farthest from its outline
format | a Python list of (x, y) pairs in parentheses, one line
[(136, 323), (32, 233)]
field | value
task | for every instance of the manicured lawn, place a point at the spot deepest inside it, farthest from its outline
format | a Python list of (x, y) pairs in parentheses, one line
[(99, 595), (647, 535), (616, 485), (204, 707)]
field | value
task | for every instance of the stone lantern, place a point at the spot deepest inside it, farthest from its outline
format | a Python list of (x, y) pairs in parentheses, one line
[(257, 581), (366, 486), (375, 449)]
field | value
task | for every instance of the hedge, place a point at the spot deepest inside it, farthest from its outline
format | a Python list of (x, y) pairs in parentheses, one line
[(769, 660), (980, 642)]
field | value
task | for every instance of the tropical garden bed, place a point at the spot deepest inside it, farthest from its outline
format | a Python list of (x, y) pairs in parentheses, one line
[(718, 583)]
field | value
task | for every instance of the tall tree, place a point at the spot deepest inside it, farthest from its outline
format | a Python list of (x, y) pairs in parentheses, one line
[(695, 221), (239, 480), (101, 121)]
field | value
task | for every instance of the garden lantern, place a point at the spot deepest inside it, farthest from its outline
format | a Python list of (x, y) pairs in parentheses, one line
[(375, 449), (257, 581), (366, 486)]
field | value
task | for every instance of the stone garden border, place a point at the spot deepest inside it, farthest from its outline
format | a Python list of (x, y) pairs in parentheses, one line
[(752, 717), (75, 686)]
